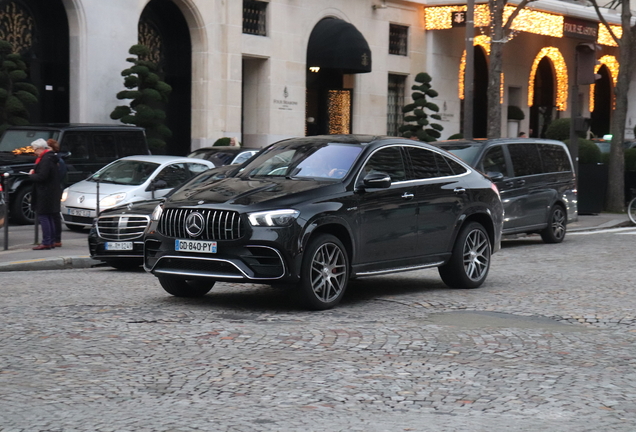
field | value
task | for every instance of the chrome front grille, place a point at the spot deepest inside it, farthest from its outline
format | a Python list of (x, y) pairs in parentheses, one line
[(218, 224), (122, 227)]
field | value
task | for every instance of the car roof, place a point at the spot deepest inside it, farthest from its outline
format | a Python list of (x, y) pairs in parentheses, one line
[(74, 126), (486, 142), (161, 159)]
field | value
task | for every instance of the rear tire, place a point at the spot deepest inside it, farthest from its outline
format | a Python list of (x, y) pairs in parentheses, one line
[(470, 260), (324, 272), (185, 288), (21, 210), (631, 211), (555, 231)]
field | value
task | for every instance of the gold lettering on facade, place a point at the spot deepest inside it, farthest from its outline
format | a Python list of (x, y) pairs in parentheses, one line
[(16, 27)]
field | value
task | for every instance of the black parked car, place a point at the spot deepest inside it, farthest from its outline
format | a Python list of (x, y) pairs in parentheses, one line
[(534, 177), (116, 237), (315, 212), (224, 155), (85, 147)]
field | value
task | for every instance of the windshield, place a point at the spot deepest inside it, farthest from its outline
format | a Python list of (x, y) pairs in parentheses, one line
[(125, 172), (19, 141), (329, 161), (466, 152)]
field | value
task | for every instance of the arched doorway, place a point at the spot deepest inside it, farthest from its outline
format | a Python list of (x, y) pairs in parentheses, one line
[(335, 51), (39, 33), (163, 28), (543, 103), (601, 114)]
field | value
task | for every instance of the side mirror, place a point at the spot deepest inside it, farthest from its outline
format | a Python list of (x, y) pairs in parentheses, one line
[(377, 180), (495, 176), (157, 184)]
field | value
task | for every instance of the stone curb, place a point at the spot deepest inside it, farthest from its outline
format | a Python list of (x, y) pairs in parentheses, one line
[(56, 263)]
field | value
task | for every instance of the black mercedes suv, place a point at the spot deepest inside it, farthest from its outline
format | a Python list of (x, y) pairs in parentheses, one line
[(314, 212)]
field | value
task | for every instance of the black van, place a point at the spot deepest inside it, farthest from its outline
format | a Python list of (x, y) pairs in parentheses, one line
[(85, 148), (535, 179)]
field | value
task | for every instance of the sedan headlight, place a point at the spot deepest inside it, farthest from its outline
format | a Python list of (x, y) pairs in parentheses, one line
[(273, 217), (112, 200), (64, 195), (156, 213)]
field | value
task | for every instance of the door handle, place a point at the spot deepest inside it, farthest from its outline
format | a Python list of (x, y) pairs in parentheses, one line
[(459, 190), (510, 184), (407, 196), (521, 182)]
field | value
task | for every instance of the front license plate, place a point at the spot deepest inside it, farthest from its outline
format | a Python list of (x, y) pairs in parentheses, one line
[(195, 246), (77, 212), (119, 246)]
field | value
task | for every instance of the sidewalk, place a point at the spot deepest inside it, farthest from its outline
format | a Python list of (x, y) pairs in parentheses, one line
[(74, 251)]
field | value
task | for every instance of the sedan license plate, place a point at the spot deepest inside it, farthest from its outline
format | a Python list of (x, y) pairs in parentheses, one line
[(118, 246), (195, 246), (78, 212)]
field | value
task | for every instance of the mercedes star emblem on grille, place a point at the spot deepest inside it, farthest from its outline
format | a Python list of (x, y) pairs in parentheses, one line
[(194, 224)]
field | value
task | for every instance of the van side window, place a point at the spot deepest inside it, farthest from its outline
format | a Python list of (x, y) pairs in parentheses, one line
[(525, 159), (104, 147), (131, 144), (554, 158), (494, 161), (76, 144)]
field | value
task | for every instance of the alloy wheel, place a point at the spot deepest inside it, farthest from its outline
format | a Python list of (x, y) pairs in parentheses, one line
[(328, 272), (558, 223), (476, 254)]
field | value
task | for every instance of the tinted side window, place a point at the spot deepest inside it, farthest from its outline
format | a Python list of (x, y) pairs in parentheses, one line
[(174, 175), (131, 144), (455, 166), (104, 147), (387, 160), (424, 164), (554, 158), (525, 159), (77, 144), (443, 168), (495, 161)]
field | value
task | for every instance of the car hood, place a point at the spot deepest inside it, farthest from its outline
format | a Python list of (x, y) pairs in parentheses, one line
[(139, 208), (247, 191), (90, 187), (8, 158)]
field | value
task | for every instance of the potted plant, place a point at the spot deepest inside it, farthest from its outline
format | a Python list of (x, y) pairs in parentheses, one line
[(515, 115)]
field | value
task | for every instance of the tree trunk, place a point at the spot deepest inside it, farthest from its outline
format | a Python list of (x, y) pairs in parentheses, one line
[(494, 68), (615, 201)]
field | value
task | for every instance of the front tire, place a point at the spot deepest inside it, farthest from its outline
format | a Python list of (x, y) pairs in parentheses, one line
[(185, 288), (324, 272), (470, 260), (555, 231)]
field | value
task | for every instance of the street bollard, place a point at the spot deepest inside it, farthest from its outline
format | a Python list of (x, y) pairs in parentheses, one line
[(5, 191)]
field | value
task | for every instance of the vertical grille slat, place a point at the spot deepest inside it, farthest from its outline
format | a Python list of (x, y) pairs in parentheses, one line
[(219, 224)]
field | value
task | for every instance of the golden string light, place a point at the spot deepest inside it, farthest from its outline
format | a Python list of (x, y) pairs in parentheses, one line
[(561, 71), (484, 42), (339, 109), (604, 36), (612, 65)]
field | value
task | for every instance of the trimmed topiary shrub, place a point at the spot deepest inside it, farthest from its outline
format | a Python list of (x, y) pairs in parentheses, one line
[(416, 120), (515, 113), (559, 130), (456, 136), (589, 153), (15, 94)]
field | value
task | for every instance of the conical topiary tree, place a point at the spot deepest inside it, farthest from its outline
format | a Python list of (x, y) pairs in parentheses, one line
[(415, 117), (149, 96), (15, 94)]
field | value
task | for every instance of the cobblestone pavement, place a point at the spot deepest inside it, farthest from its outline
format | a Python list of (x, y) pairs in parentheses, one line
[(547, 344)]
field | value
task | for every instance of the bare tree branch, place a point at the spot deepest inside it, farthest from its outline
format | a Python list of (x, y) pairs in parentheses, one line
[(604, 21)]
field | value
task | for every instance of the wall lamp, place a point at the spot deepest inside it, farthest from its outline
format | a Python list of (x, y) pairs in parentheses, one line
[(381, 6)]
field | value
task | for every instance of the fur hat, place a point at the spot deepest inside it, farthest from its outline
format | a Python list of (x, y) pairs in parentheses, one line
[(39, 143)]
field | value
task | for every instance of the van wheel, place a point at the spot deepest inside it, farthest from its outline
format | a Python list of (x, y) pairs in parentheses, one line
[(21, 211), (470, 260), (555, 231), (324, 272), (185, 288)]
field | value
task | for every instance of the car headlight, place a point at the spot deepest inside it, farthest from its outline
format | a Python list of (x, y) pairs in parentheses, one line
[(156, 213), (64, 195), (273, 217), (112, 200)]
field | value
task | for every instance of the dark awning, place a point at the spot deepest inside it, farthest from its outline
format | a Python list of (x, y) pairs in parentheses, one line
[(336, 44)]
